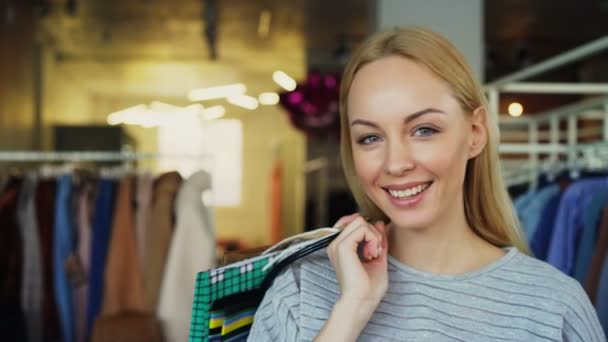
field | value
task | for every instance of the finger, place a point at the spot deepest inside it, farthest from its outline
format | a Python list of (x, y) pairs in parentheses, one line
[(356, 236), (352, 225), (345, 220), (381, 227)]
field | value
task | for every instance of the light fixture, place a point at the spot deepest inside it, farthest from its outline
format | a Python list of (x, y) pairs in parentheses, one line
[(217, 92), (515, 109), (268, 99), (158, 106), (284, 80), (264, 23), (214, 112), (129, 114), (244, 101)]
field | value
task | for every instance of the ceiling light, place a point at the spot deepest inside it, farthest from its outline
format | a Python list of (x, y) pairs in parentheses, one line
[(284, 80), (244, 101), (264, 24), (214, 112), (217, 92), (269, 99), (124, 115), (158, 106), (515, 109)]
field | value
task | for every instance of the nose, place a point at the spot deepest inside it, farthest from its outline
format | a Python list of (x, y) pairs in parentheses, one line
[(398, 159)]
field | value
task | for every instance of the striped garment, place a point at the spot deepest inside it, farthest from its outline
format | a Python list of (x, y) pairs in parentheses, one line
[(517, 298)]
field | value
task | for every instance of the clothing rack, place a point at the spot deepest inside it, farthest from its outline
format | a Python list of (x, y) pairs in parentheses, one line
[(89, 156), (595, 108)]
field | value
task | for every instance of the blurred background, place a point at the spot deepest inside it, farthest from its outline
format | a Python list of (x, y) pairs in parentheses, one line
[(139, 119)]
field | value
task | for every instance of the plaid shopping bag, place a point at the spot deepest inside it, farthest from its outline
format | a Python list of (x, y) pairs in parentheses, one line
[(226, 298)]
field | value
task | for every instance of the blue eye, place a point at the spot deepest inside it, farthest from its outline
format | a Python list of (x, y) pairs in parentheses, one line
[(368, 139), (425, 131)]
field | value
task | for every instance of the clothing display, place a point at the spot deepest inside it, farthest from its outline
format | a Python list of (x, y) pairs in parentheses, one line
[(31, 282), (82, 257), (102, 221), (572, 232), (45, 214), (71, 254), (158, 235), (12, 321), (124, 288), (192, 250), (421, 306), (63, 249)]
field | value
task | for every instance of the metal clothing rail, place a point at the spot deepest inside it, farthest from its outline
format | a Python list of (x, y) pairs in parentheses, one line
[(90, 156)]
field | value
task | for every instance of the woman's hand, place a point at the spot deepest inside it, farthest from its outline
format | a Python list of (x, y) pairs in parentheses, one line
[(359, 258)]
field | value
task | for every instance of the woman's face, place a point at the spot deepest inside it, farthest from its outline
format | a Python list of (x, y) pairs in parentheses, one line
[(411, 141)]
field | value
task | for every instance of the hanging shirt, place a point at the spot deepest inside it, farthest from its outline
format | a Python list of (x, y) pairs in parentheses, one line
[(599, 253), (158, 236), (102, 223), (517, 298), (532, 212), (12, 322), (192, 250), (124, 289), (569, 222), (587, 241), (83, 255), (542, 235), (142, 211), (602, 297), (31, 283), (63, 248), (45, 213)]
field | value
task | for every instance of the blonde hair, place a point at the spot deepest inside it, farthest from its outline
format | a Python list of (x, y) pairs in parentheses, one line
[(488, 207)]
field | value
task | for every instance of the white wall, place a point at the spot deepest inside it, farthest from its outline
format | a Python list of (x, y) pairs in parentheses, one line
[(461, 21)]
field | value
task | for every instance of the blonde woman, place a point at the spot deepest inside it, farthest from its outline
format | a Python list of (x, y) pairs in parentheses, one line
[(436, 253)]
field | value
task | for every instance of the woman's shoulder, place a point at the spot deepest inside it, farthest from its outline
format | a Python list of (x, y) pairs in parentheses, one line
[(316, 264), (537, 278)]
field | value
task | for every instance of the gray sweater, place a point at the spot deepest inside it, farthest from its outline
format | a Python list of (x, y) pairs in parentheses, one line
[(517, 298)]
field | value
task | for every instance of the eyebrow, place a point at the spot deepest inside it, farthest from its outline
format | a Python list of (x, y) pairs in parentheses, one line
[(409, 118)]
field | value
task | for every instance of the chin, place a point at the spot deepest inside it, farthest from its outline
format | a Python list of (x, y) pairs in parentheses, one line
[(410, 221)]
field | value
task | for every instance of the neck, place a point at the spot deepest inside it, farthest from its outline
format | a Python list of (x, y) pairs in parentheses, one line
[(447, 247)]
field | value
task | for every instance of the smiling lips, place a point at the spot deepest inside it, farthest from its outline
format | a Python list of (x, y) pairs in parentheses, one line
[(400, 192)]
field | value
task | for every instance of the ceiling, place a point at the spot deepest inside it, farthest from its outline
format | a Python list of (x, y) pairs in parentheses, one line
[(524, 32), (132, 46)]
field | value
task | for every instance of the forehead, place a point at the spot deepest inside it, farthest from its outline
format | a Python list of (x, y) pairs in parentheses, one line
[(396, 84)]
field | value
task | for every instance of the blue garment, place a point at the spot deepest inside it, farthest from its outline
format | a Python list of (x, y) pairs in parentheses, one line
[(531, 213), (523, 200), (63, 247), (569, 222), (544, 230), (602, 297), (586, 244), (102, 228)]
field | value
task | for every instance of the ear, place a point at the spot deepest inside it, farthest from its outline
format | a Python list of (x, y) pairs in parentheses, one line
[(479, 132)]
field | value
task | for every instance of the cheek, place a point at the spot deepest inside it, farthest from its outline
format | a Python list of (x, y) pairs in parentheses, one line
[(446, 158), (367, 166)]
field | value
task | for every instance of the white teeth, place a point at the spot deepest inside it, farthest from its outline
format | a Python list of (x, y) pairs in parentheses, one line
[(409, 192)]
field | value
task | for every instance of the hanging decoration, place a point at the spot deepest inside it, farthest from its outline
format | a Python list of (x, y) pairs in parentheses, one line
[(313, 105)]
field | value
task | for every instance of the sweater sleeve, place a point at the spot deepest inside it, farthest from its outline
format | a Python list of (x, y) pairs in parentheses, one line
[(580, 322), (278, 316)]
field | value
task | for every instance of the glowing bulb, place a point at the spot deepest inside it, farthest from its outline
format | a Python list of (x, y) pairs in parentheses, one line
[(214, 112), (284, 80), (269, 99), (217, 92), (515, 109), (244, 101)]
